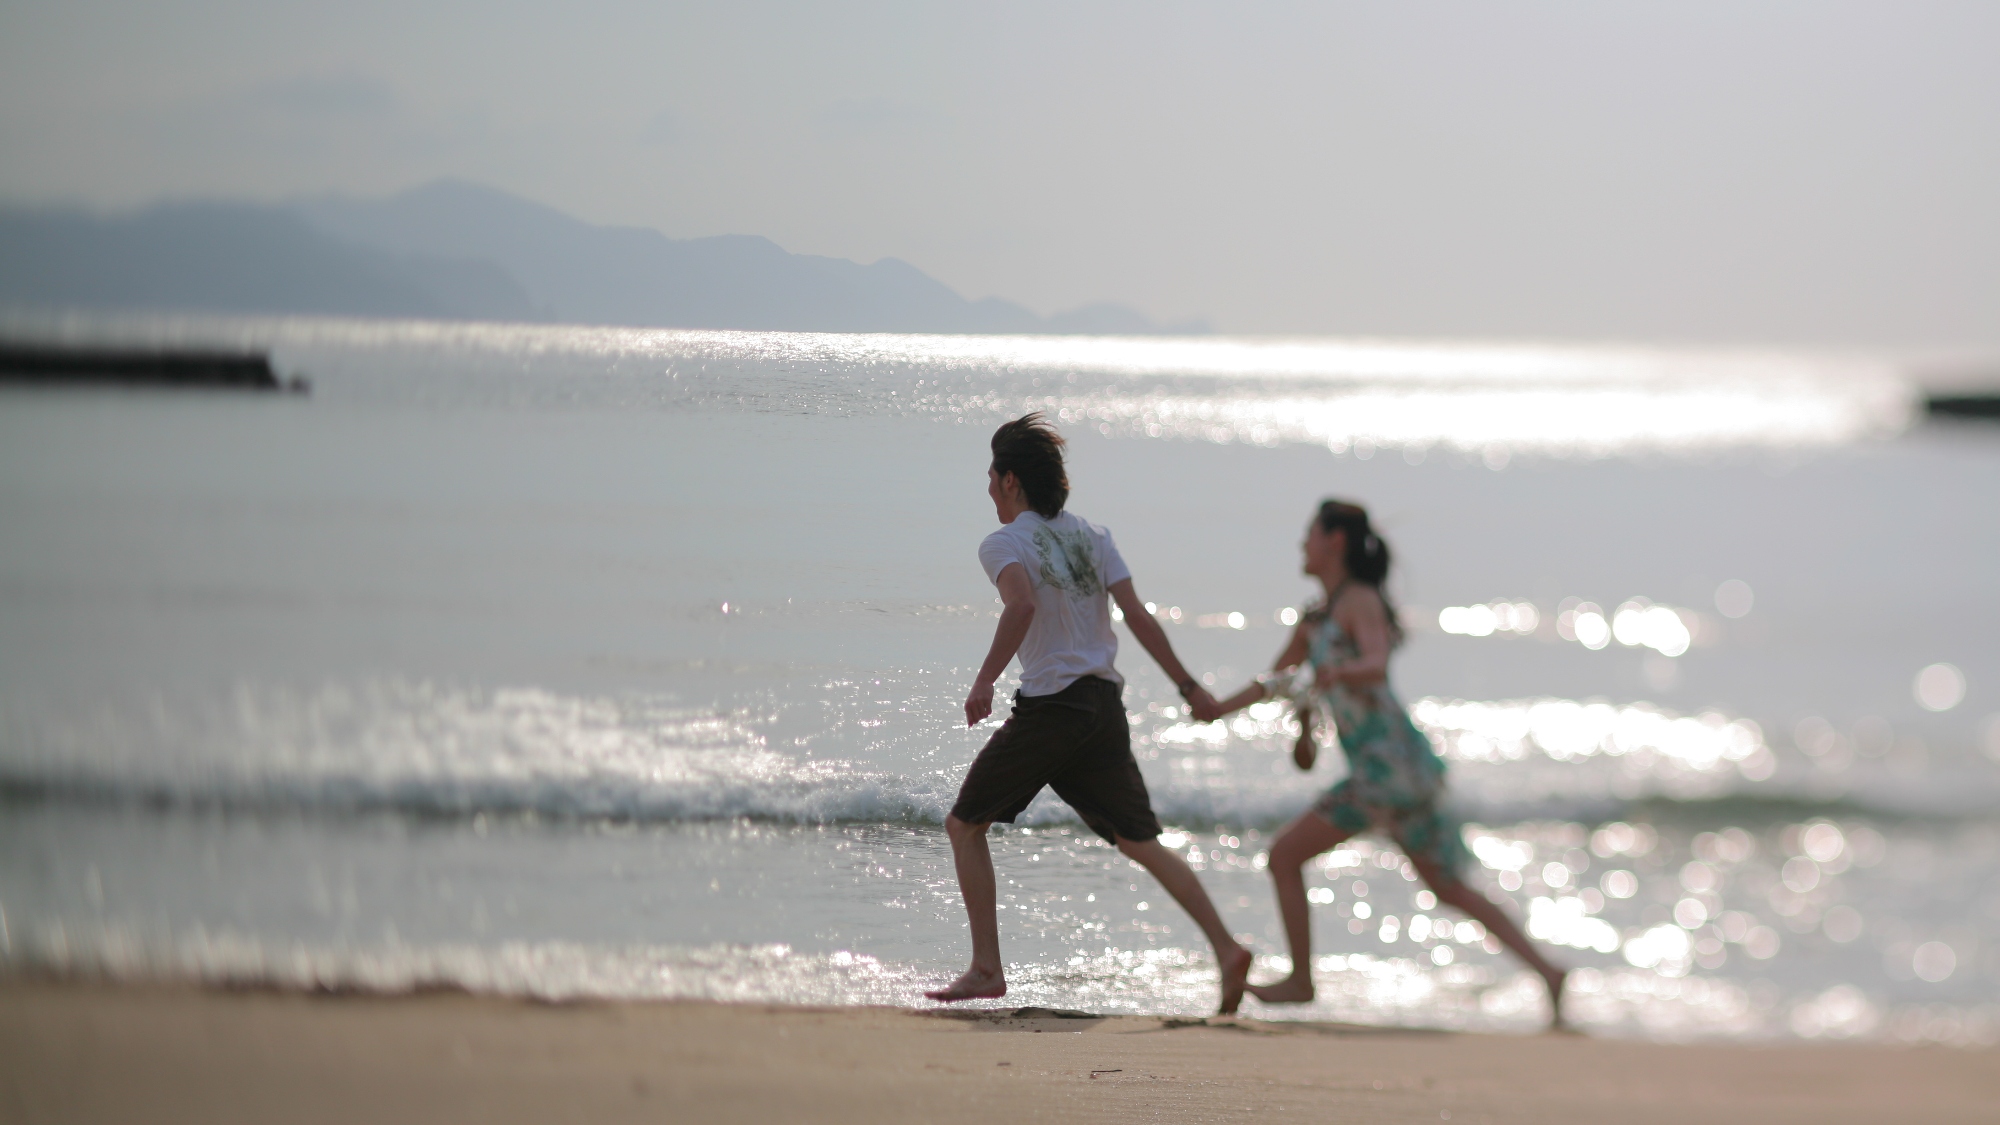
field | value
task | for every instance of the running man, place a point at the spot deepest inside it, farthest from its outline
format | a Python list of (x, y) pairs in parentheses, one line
[(1068, 730)]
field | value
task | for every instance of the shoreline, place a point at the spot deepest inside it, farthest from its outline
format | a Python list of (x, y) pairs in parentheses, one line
[(79, 1050)]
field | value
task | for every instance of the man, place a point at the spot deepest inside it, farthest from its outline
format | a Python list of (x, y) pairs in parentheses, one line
[(1068, 728)]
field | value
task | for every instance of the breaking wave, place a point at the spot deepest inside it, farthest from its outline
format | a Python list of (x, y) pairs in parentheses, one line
[(422, 750)]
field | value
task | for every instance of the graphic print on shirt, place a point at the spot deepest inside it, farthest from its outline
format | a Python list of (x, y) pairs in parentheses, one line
[(1068, 563)]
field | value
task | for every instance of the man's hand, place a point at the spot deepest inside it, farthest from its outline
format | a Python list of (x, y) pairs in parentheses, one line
[(1202, 705), (979, 704), (1017, 595)]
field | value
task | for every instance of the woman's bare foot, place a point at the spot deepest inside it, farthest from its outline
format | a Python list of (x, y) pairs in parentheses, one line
[(1291, 990), (1305, 751), (976, 984), (1235, 978), (1555, 983)]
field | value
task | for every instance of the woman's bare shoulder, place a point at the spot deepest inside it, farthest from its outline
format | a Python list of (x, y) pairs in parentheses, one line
[(1358, 599)]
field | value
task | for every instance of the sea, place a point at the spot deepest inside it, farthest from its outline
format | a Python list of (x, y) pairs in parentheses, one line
[(577, 663)]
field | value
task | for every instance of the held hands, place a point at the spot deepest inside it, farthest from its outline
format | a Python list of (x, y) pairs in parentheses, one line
[(1203, 706), (978, 704)]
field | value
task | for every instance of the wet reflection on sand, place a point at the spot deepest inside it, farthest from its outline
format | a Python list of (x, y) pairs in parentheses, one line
[(1821, 927)]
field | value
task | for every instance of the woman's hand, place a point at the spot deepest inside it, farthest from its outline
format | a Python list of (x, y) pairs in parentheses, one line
[(1203, 706)]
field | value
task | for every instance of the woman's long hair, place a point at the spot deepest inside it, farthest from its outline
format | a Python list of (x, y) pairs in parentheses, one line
[(1367, 557)]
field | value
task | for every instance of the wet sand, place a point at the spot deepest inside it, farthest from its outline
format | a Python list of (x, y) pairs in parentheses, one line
[(93, 1052)]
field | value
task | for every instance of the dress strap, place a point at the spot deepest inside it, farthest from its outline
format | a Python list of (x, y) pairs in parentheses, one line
[(1333, 595)]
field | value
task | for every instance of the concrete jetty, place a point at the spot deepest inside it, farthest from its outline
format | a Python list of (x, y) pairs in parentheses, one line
[(51, 365)]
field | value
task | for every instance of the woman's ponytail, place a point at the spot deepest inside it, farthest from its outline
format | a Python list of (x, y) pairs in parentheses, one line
[(1367, 557)]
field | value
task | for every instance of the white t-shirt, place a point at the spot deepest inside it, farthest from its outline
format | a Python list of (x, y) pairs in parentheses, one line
[(1070, 562)]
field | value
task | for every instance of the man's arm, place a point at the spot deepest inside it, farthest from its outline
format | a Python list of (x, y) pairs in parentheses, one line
[(1154, 640), (1017, 599)]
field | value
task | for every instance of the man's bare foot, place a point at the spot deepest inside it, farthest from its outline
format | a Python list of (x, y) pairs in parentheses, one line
[(976, 984), (1235, 977), (1291, 990)]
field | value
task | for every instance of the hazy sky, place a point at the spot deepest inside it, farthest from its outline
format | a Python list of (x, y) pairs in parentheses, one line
[(1823, 171)]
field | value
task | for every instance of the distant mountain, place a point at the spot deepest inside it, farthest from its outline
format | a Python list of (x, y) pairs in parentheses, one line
[(232, 257), (456, 250), (626, 275)]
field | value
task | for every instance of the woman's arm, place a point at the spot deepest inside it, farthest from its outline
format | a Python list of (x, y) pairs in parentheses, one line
[(1362, 615), (1295, 651)]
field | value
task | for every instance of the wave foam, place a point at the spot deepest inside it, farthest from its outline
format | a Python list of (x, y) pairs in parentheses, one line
[(423, 750), (429, 750), (1358, 988)]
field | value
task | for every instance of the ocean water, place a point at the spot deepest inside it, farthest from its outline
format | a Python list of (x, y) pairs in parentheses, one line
[(590, 662)]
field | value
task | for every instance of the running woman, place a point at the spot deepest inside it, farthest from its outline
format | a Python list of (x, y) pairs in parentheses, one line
[(1395, 779), (1067, 731)]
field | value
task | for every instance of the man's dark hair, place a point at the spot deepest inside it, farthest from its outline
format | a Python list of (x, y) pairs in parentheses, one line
[(1031, 449)]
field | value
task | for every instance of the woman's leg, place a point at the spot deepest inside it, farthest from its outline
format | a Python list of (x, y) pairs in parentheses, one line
[(1456, 892), (1299, 841)]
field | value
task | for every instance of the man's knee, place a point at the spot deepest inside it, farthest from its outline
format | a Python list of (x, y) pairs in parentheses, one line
[(964, 829), (1133, 849)]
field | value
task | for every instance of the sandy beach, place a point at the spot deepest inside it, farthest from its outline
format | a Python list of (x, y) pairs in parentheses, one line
[(93, 1052)]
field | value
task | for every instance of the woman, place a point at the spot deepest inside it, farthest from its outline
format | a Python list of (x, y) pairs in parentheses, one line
[(1394, 778)]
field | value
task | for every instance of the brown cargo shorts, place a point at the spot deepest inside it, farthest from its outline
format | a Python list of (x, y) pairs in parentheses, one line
[(1075, 742)]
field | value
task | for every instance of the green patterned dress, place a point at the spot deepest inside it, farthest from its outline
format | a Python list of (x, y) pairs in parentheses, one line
[(1394, 777)]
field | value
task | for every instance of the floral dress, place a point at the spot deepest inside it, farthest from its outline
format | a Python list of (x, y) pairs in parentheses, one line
[(1394, 777)]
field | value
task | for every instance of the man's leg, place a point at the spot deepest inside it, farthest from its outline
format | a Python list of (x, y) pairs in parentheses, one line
[(986, 979), (1179, 879)]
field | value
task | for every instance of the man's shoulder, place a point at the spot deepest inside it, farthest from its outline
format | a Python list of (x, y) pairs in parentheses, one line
[(1070, 521), (1010, 537)]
